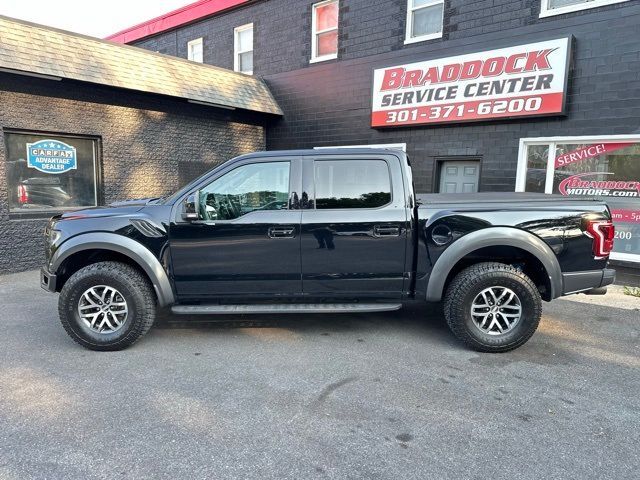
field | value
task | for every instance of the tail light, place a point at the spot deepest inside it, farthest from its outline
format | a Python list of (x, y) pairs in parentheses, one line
[(602, 232), (23, 195)]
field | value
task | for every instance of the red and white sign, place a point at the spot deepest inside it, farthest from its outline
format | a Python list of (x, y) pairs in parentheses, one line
[(625, 215), (525, 80), (589, 151), (595, 184)]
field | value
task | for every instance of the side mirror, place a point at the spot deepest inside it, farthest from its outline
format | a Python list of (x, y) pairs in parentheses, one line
[(190, 207)]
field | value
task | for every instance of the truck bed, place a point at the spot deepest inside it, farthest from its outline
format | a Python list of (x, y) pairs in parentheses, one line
[(426, 200)]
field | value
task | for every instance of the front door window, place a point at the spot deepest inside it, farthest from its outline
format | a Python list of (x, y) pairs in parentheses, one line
[(258, 186)]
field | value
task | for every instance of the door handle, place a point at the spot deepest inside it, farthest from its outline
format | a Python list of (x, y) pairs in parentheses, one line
[(282, 232), (386, 231)]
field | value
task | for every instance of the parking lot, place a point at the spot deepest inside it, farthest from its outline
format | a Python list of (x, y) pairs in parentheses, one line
[(389, 395)]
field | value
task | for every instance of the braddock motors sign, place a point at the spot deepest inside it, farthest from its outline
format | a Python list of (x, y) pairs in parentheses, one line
[(525, 80), (51, 156)]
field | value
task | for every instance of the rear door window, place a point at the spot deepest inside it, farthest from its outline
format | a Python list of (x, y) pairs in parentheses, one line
[(352, 184)]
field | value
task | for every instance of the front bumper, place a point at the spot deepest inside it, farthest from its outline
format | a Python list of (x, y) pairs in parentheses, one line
[(576, 282), (47, 280)]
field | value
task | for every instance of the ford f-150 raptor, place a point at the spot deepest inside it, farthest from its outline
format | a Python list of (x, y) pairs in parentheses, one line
[(329, 231)]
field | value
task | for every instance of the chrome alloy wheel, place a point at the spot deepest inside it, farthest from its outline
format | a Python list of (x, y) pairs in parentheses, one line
[(496, 310), (103, 309)]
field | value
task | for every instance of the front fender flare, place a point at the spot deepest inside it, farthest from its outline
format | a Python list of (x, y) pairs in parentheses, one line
[(125, 246), (491, 237)]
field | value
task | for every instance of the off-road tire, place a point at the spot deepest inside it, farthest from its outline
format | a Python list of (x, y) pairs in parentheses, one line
[(134, 287), (464, 288)]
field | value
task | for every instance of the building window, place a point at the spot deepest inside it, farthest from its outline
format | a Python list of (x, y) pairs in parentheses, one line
[(324, 36), (558, 7), (424, 20), (50, 172), (352, 184), (194, 50), (243, 49), (603, 167)]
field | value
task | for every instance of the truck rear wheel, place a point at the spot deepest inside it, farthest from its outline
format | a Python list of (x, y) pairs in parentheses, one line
[(107, 306), (492, 307)]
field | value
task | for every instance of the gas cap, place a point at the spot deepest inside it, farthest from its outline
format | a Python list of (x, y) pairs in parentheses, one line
[(441, 234)]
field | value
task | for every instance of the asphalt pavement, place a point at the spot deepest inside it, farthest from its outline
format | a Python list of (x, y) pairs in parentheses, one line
[(355, 396)]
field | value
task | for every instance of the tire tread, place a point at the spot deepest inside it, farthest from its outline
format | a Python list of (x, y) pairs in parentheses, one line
[(464, 281), (144, 318)]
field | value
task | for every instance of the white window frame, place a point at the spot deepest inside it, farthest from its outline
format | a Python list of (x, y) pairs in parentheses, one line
[(190, 45), (236, 47), (521, 171), (408, 39), (315, 33), (546, 11)]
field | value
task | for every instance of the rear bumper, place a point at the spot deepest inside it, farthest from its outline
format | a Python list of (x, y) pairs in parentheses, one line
[(47, 280), (608, 277), (576, 282)]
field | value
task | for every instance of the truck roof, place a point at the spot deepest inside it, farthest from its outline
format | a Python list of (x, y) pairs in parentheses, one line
[(323, 151)]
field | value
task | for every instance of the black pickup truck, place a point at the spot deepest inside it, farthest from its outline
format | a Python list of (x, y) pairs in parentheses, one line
[(329, 231)]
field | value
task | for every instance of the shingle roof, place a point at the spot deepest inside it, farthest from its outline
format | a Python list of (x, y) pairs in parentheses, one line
[(28, 47)]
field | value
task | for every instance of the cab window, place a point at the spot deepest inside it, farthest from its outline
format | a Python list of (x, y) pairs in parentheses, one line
[(352, 184), (258, 186)]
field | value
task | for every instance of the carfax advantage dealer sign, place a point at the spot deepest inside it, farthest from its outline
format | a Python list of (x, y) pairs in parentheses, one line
[(525, 80)]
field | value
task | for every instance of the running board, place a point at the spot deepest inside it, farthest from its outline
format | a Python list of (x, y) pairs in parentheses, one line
[(285, 308)]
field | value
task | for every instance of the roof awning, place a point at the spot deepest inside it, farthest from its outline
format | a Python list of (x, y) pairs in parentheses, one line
[(42, 51)]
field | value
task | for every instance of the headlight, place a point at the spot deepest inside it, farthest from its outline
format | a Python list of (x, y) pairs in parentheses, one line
[(54, 236), (51, 234)]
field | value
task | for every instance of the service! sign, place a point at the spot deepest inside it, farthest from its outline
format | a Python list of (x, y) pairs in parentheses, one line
[(51, 156), (526, 80)]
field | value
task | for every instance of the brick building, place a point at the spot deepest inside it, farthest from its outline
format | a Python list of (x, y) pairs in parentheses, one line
[(87, 122), (319, 59)]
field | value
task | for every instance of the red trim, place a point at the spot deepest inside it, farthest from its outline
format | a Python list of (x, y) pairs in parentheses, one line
[(176, 18)]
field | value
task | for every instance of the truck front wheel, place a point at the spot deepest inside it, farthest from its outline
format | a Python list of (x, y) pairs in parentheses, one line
[(492, 307), (107, 306)]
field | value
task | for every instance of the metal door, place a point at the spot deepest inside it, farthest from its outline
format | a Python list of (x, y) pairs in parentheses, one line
[(354, 235), (459, 176), (251, 246)]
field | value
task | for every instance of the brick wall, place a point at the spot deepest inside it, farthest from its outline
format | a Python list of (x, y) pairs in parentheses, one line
[(150, 146), (282, 29), (329, 103), (283, 26)]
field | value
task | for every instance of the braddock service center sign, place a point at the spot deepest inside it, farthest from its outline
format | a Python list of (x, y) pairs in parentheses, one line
[(525, 80), (51, 156)]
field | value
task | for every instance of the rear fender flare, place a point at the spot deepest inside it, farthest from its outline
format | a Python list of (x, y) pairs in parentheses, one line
[(125, 246), (488, 237)]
